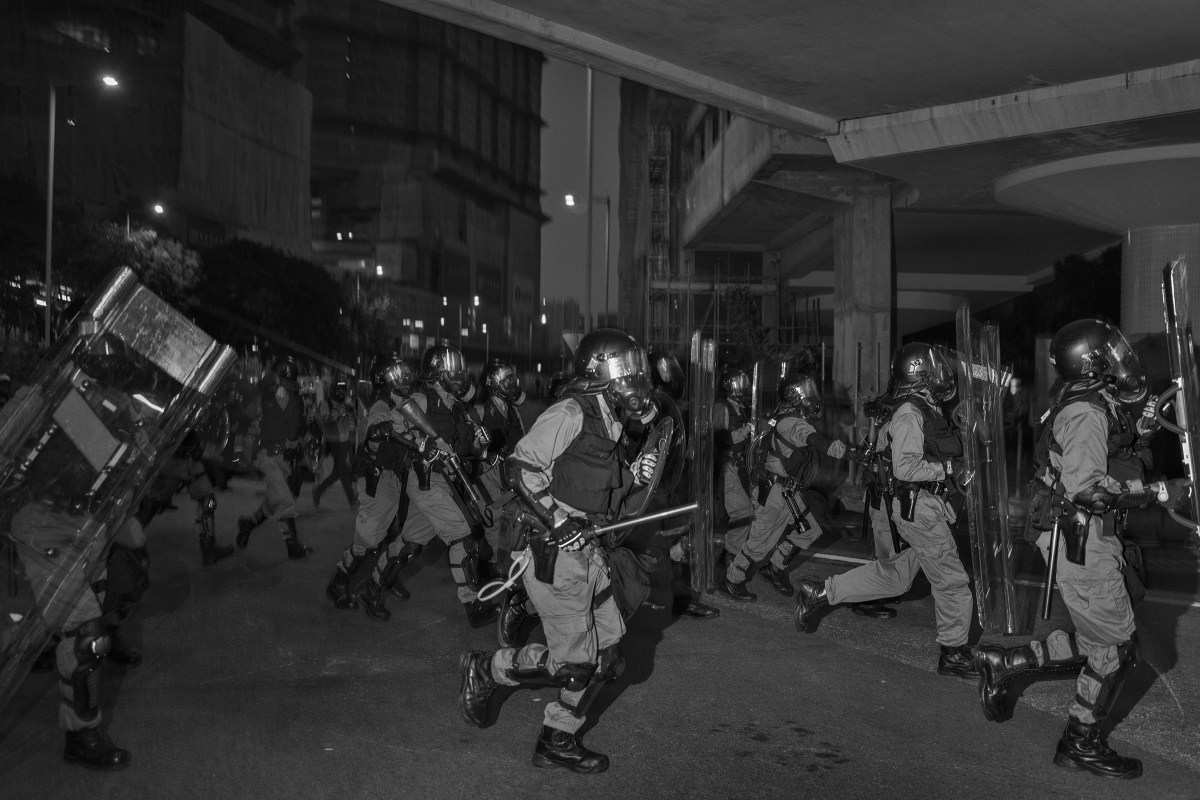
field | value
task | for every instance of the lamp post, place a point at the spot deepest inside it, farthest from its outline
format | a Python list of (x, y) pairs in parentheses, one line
[(487, 344), (110, 82), (570, 202)]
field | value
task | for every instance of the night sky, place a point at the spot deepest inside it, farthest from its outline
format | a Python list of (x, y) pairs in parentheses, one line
[(564, 171)]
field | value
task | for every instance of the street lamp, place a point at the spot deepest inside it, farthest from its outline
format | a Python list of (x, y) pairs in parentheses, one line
[(570, 202), (110, 82)]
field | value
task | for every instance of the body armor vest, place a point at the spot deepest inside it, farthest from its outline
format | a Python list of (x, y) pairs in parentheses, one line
[(1123, 461), (800, 464), (508, 424), (941, 440), (450, 422), (586, 474)]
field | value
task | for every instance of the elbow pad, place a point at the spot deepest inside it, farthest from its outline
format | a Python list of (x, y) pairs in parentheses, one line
[(513, 472)]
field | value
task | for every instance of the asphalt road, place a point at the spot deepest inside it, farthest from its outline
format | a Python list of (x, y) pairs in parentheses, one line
[(254, 686)]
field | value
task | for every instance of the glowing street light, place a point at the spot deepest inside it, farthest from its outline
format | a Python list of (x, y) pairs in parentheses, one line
[(109, 81)]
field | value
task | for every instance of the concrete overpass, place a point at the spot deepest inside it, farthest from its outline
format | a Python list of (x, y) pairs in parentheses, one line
[(989, 139)]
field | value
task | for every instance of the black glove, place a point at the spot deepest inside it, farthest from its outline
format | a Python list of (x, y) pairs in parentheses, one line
[(1175, 493), (572, 534), (379, 431)]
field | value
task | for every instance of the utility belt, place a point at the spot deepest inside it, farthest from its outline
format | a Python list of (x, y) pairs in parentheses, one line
[(1050, 511), (544, 551), (907, 494)]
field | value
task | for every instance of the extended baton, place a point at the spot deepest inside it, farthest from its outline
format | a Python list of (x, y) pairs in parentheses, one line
[(1051, 570)]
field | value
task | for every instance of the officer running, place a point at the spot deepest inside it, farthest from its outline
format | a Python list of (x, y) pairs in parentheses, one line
[(569, 473), (783, 523), (1092, 456), (917, 444)]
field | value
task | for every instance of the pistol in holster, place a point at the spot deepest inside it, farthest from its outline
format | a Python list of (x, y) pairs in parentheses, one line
[(422, 467), (545, 554), (908, 501), (372, 476), (1075, 535)]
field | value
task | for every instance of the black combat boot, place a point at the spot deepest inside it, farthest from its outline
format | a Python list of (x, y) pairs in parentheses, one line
[(778, 579), (295, 549), (246, 526), (93, 749), (958, 662), (477, 686), (390, 576), (557, 748), (996, 667), (1082, 748), (512, 614), (373, 601), (690, 607), (339, 590), (736, 591), (480, 614), (873, 609), (810, 599)]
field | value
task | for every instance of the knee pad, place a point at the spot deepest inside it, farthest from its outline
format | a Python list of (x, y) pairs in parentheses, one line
[(611, 663), (410, 551), (91, 645), (574, 677)]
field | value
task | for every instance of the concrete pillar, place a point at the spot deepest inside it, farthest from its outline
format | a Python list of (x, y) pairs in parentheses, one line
[(1146, 252), (863, 296)]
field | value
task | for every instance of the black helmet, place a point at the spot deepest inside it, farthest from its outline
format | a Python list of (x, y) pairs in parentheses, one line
[(919, 367), (1091, 351), (665, 372), (735, 384), (499, 379), (340, 389), (611, 361), (287, 371), (799, 393), (444, 364), (391, 373)]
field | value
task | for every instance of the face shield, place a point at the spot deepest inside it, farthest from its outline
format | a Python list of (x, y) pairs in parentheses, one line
[(942, 384), (398, 378), (1124, 372), (629, 384)]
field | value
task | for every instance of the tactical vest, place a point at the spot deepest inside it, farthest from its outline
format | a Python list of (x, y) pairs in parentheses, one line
[(508, 424), (800, 464), (941, 439), (390, 454), (1123, 462), (450, 422), (586, 474)]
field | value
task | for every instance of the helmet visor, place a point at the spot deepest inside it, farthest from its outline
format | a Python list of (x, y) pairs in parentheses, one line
[(628, 374), (1125, 370)]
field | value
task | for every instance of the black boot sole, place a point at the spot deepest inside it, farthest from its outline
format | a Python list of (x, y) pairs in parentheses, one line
[(543, 762), (1069, 763)]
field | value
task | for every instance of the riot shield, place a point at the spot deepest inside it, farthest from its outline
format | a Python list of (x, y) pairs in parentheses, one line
[(1185, 389), (79, 445), (661, 438), (983, 477), (701, 400)]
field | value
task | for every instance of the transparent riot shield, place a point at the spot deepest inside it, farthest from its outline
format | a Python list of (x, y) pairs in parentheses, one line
[(983, 477), (79, 445), (1185, 389), (701, 400)]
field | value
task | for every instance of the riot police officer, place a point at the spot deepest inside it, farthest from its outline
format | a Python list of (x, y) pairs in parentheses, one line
[(381, 467), (917, 444), (733, 425), (282, 426), (788, 464), (1091, 456), (439, 502), (568, 472), (337, 421)]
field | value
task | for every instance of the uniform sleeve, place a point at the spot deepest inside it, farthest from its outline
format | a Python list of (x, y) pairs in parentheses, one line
[(907, 432), (545, 441), (1081, 430), (795, 431)]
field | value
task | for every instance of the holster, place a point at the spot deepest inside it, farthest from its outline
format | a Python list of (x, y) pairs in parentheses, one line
[(1075, 535), (372, 477), (545, 556), (908, 502), (422, 468)]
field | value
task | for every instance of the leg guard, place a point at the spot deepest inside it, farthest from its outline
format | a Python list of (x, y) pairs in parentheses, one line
[(91, 644), (1110, 684), (537, 675), (471, 562), (338, 589), (609, 667), (389, 576), (295, 549)]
